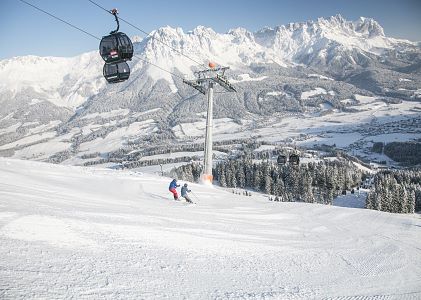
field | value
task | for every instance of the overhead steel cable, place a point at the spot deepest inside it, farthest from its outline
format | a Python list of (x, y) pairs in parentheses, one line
[(148, 34), (61, 20), (95, 37), (156, 66)]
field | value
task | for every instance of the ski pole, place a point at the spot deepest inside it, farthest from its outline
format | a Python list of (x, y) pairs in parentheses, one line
[(197, 198)]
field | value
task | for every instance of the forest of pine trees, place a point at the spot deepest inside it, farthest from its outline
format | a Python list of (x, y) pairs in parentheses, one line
[(404, 152), (396, 192), (190, 172), (312, 182)]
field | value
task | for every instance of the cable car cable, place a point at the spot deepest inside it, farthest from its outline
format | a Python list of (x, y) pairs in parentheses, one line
[(95, 37), (148, 34), (51, 15), (148, 62)]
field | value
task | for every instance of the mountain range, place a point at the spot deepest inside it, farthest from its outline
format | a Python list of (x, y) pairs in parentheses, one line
[(61, 108)]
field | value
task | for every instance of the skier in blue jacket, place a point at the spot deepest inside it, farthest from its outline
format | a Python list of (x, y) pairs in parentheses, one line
[(184, 191)]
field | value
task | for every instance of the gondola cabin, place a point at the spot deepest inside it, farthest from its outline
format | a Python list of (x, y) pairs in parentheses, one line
[(294, 159), (116, 47), (282, 159), (116, 72)]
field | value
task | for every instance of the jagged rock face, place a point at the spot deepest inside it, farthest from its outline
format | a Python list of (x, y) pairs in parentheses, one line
[(355, 55)]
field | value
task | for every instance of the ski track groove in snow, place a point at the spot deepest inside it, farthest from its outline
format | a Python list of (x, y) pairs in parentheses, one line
[(68, 232)]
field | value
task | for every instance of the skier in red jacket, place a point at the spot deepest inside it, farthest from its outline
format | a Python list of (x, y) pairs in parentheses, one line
[(173, 188)]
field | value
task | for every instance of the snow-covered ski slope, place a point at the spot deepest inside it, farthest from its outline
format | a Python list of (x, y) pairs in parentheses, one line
[(71, 232)]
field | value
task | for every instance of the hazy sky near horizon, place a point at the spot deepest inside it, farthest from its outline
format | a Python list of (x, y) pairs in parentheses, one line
[(26, 31)]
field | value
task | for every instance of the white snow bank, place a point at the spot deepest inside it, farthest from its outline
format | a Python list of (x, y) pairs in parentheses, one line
[(320, 77), (365, 99), (96, 233), (312, 93), (197, 129), (110, 114), (246, 77), (118, 138), (43, 150), (29, 139), (276, 93)]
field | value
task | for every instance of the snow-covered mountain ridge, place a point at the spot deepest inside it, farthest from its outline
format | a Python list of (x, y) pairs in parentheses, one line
[(67, 81), (295, 43), (309, 68)]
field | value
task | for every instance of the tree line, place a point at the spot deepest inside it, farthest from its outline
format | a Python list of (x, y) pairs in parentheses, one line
[(312, 182), (405, 152), (396, 192)]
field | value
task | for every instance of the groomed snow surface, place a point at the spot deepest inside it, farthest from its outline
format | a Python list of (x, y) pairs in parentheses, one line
[(71, 232)]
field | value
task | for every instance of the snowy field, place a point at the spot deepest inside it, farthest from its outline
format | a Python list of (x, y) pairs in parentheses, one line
[(340, 128), (350, 131), (85, 233)]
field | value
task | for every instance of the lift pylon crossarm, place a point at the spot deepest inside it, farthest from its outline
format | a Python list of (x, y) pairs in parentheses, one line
[(196, 85), (222, 81), (201, 74)]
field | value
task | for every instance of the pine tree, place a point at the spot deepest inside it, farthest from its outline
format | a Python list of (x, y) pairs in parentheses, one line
[(306, 188), (411, 202), (257, 180), (291, 180), (267, 180), (403, 203), (369, 202), (249, 172), (241, 176), (222, 180), (418, 197), (280, 187), (396, 206), (330, 186), (381, 198), (228, 176), (233, 172)]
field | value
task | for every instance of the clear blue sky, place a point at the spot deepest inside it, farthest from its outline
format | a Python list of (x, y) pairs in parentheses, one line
[(25, 30)]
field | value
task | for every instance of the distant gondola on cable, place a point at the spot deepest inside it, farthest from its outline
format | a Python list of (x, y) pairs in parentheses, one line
[(115, 49), (282, 160), (294, 159)]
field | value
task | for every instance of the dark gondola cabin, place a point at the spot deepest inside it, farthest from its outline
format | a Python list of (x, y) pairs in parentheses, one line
[(116, 72), (116, 47), (294, 159), (282, 159)]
